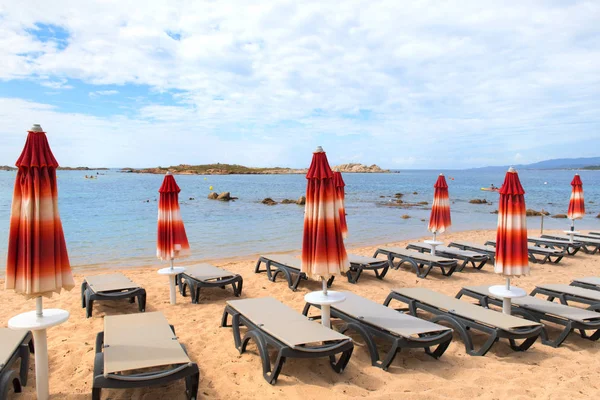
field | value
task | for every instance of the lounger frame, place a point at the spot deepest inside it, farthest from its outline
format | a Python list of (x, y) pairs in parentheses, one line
[(88, 296), (532, 252), (292, 275), (491, 254), (464, 326), (369, 332), (263, 340), (567, 247), (380, 268), (586, 246), (189, 372), (541, 317), (466, 260), (422, 267), (9, 378), (184, 281), (585, 285), (564, 298)]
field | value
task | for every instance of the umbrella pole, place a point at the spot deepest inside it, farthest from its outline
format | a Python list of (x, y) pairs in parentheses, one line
[(40, 340), (325, 308), (172, 279), (506, 301), (542, 223)]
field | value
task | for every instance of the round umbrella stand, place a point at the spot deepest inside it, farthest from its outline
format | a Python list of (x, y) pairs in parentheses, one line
[(325, 300), (172, 273), (507, 293), (571, 234), (37, 322), (433, 244)]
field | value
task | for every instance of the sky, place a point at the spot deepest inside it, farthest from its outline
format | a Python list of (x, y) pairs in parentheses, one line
[(401, 84)]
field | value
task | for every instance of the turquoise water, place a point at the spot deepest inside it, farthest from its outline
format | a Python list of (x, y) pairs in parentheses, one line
[(107, 221)]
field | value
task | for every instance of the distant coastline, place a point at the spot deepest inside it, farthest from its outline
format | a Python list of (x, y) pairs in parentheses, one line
[(9, 168), (234, 169)]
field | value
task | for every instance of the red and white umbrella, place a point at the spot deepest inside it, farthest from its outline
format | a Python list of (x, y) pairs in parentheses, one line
[(439, 219), (338, 181), (38, 263), (576, 203), (171, 240)]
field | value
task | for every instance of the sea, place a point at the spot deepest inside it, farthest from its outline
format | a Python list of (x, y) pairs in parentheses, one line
[(111, 221)]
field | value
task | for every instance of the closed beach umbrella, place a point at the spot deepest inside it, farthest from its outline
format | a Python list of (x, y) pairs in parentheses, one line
[(171, 240), (340, 195), (576, 204), (439, 219), (37, 264)]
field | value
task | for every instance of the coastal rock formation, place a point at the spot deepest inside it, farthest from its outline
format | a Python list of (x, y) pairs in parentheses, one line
[(533, 213), (224, 196), (559, 216), (288, 201), (301, 200), (269, 201), (478, 201), (598, 216), (494, 212), (405, 216), (359, 168), (7, 168), (398, 195), (213, 195)]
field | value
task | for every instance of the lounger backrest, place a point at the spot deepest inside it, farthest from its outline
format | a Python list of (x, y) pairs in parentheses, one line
[(477, 246), (544, 306), (466, 310), (453, 250), (205, 272), (356, 259), (9, 343), (385, 318), (108, 282), (137, 341), (283, 322), (572, 290), (284, 259), (415, 254), (590, 280)]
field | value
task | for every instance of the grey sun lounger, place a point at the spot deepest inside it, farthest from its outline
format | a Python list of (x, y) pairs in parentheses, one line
[(478, 248), (14, 348), (589, 282), (570, 248), (358, 264), (539, 255), (477, 260), (466, 317), (589, 246), (594, 233), (421, 263), (567, 293), (205, 275), (286, 264), (536, 309), (131, 349), (376, 321), (272, 324), (110, 287)]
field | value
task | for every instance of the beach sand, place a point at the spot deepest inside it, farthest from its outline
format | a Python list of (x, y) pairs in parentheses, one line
[(542, 372)]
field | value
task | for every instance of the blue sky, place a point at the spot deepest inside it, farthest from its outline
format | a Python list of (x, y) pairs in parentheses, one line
[(418, 84)]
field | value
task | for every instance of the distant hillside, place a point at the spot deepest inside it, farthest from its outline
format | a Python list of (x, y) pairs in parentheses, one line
[(558, 163), (234, 169)]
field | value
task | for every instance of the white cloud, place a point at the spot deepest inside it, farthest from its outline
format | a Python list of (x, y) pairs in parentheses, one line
[(446, 84), (103, 93)]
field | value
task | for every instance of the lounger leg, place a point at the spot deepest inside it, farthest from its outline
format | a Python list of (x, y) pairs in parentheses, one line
[(257, 268), (352, 279), (481, 264), (89, 304), (294, 285), (84, 286), (8, 380), (269, 375), (462, 266), (24, 368), (341, 364), (382, 274), (371, 345), (523, 346), (463, 331), (191, 385), (558, 341), (195, 292), (96, 393), (237, 288), (142, 301), (595, 336), (330, 281), (441, 348)]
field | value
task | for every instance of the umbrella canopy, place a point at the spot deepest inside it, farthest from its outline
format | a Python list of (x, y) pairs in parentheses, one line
[(340, 197), (576, 204), (38, 262), (440, 220), (171, 240), (323, 251), (511, 236)]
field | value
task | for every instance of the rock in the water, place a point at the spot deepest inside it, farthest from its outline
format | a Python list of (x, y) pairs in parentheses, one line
[(213, 195), (397, 195), (405, 216), (494, 212), (478, 201), (382, 197), (269, 201), (598, 216), (191, 198), (354, 167), (560, 216), (534, 213), (415, 192), (422, 203), (288, 201), (225, 196), (301, 200)]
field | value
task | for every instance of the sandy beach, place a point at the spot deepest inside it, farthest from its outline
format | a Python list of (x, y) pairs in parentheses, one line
[(542, 372)]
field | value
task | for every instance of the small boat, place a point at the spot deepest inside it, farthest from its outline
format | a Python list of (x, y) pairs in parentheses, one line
[(487, 189)]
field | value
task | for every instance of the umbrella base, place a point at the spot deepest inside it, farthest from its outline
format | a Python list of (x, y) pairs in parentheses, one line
[(325, 301), (32, 322), (172, 274), (506, 295)]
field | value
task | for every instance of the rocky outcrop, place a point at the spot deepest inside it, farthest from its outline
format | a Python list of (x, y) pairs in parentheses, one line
[(478, 201), (301, 200), (359, 168), (224, 196), (7, 168), (560, 216), (405, 216), (269, 201), (534, 213), (288, 201), (598, 216), (213, 196), (494, 212), (398, 195)]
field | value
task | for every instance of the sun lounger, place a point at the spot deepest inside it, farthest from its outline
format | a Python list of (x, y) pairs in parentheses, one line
[(272, 324), (566, 293), (536, 309), (288, 265), (14, 346), (358, 264), (373, 320), (132, 347), (590, 282), (110, 287), (478, 248), (466, 317), (570, 248), (477, 260), (538, 255), (422, 263), (589, 246), (204, 275), (594, 233)]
